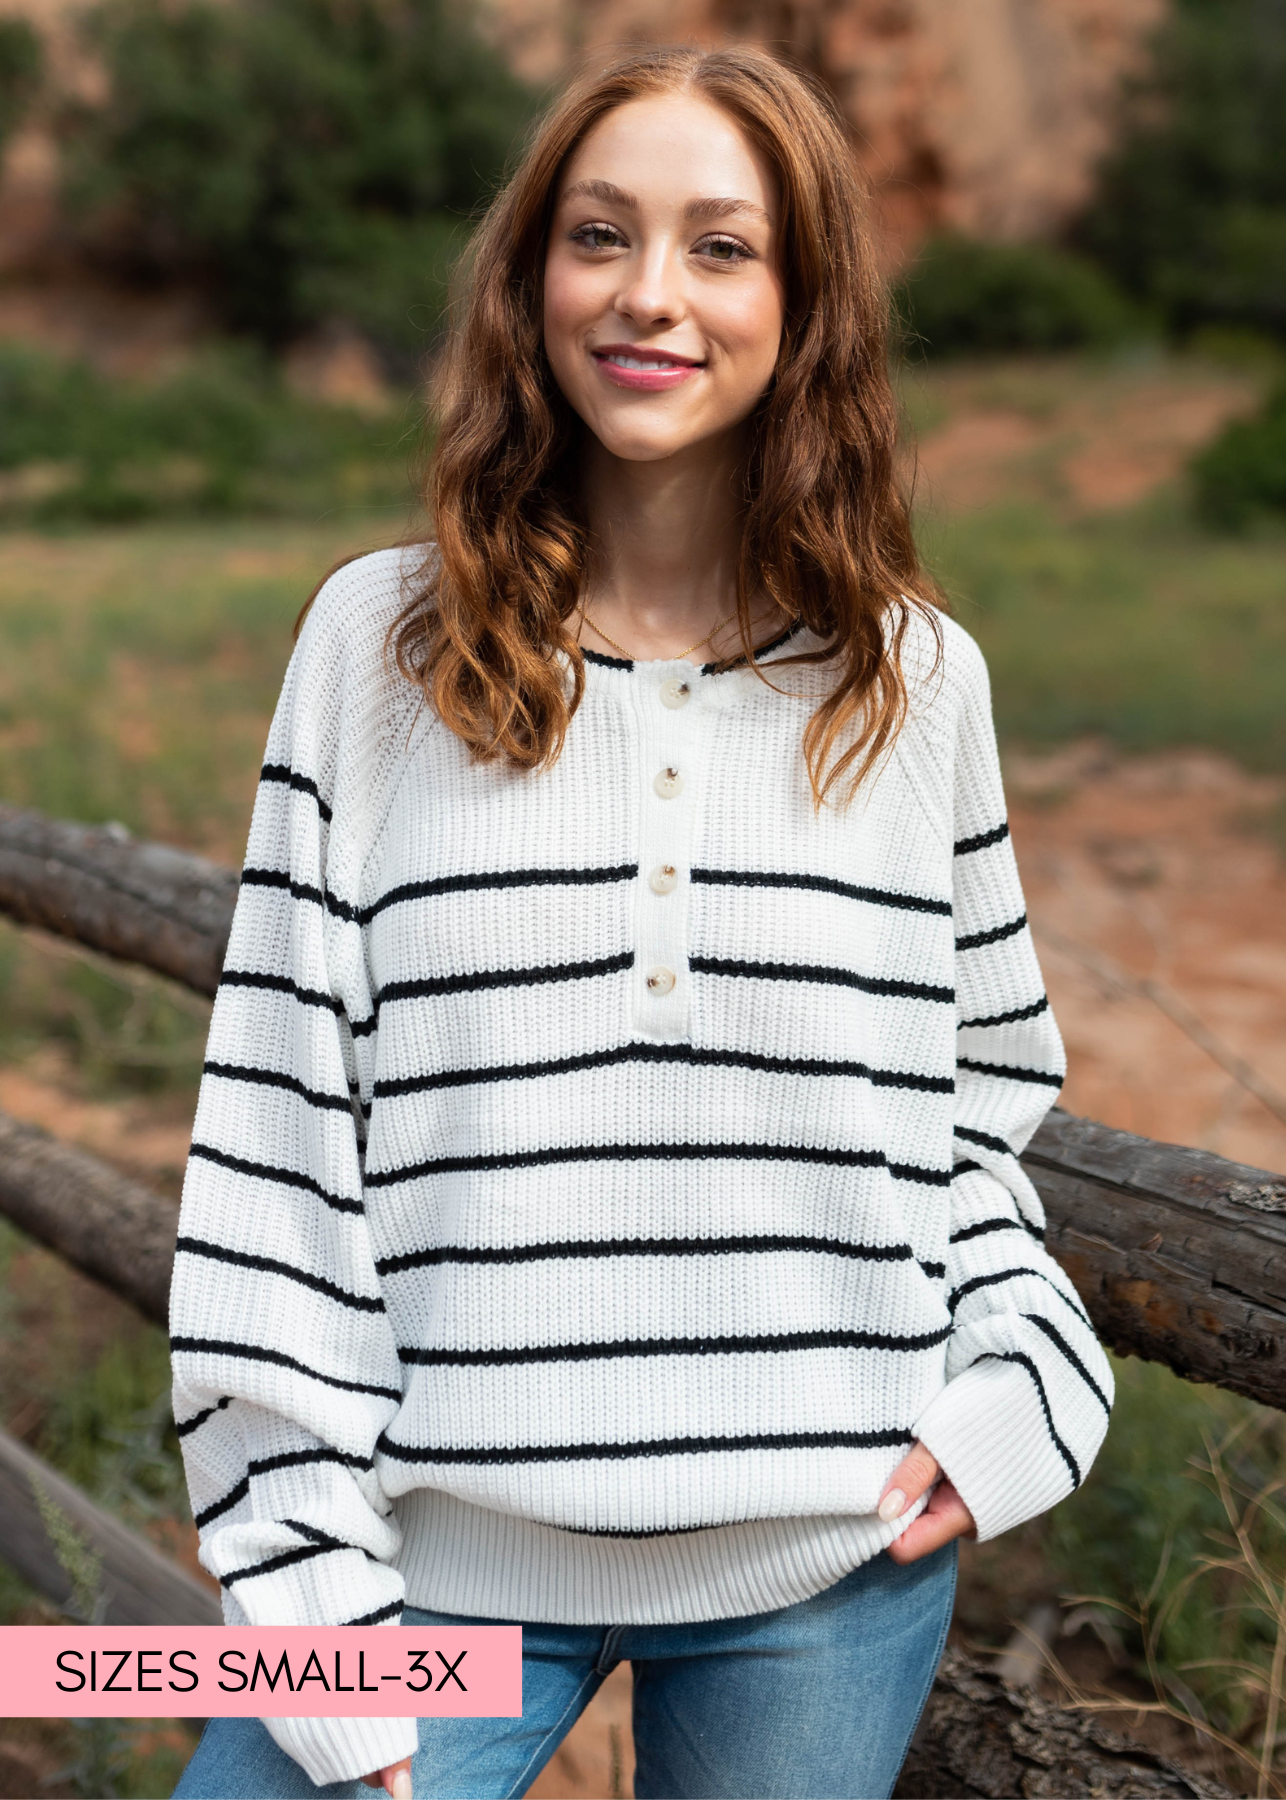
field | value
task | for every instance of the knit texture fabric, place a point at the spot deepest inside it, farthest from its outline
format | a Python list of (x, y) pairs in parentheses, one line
[(602, 1176)]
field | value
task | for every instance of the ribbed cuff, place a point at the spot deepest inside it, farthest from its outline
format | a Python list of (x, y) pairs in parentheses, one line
[(987, 1429), (344, 1749)]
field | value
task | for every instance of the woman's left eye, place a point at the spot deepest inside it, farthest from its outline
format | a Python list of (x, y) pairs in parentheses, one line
[(724, 249)]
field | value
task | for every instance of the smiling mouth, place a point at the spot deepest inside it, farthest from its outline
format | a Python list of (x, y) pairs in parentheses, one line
[(653, 362)]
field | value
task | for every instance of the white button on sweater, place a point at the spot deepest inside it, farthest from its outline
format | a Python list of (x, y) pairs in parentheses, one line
[(511, 1283)]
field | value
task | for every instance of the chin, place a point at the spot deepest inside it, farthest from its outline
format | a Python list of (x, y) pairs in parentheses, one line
[(629, 447), (634, 441)]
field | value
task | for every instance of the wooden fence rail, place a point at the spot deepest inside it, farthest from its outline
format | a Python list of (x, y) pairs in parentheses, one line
[(144, 903)]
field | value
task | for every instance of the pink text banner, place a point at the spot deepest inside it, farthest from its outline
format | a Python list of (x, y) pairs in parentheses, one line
[(280, 1672)]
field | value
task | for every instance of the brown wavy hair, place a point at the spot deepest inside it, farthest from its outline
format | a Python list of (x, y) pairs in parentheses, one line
[(826, 534)]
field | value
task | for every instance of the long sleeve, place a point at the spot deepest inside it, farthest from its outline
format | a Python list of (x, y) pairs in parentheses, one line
[(1028, 1387), (285, 1366)]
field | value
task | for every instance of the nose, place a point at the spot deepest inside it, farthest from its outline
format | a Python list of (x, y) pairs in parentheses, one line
[(652, 293)]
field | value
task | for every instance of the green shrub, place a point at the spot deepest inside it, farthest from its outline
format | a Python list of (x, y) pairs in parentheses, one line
[(1191, 216), (222, 435), (1242, 475), (21, 66), (966, 296), (298, 158)]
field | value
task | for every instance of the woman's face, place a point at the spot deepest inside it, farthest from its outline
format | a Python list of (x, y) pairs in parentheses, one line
[(663, 298)]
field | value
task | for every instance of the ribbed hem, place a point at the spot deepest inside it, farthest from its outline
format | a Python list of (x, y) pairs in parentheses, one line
[(484, 1564), (988, 1430), (344, 1749)]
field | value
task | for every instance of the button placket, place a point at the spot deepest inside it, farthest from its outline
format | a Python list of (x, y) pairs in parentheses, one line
[(669, 712)]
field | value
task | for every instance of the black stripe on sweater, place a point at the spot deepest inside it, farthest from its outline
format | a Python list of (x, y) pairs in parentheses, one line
[(296, 1459), (984, 840), (286, 1560), (279, 1359), (984, 1138), (1020, 1357), (689, 1055), (183, 1427), (483, 880), (268, 1465), (984, 1227), (267, 1172), (392, 1611), (994, 936), (1056, 1338), (602, 1247), (535, 1159), (281, 878), (740, 661), (821, 884), (317, 1537), (272, 1078), (300, 783), (279, 984), (865, 984), (232, 1498), (443, 884), (501, 978), (269, 1265), (1006, 1072), (981, 1281), (714, 1346), (537, 1453), (1010, 1018)]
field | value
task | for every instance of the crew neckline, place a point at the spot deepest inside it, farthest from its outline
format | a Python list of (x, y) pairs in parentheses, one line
[(628, 666)]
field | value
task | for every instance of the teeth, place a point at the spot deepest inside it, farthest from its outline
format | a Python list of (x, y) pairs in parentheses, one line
[(637, 362)]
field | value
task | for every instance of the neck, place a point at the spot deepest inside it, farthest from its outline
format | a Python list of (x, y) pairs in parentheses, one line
[(667, 535)]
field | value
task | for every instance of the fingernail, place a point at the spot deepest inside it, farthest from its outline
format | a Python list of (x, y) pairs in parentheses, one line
[(402, 1785), (893, 1505)]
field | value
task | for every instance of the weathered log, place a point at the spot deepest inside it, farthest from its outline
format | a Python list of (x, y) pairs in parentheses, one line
[(981, 1737), (139, 1586), (1179, 1255), (106, 1226), (142, 902)]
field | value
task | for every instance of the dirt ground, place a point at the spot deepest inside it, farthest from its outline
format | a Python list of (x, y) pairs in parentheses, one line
[(1015, 432)]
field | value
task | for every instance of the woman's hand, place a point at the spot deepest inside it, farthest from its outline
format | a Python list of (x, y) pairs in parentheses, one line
[(395, 1780), (945, 1517)]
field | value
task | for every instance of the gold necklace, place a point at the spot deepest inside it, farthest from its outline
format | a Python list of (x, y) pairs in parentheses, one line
[(713, 632)]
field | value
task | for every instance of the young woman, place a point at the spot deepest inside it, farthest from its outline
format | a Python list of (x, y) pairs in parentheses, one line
[(604, 1209)]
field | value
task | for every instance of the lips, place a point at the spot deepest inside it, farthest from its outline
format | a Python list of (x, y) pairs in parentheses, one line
[(651, 371)]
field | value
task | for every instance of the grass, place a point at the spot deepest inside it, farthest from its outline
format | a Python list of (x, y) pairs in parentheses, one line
[(1177, 1541), (222, 434), (1137, 626), (139, 665)]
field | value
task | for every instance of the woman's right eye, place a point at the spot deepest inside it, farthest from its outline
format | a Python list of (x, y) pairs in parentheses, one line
[(597, 237)]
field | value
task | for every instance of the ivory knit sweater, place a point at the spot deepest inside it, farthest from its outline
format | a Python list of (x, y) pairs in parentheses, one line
[(601, 1177)]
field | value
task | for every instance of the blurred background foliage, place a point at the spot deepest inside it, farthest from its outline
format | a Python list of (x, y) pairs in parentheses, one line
[(966, 297), (222, 434), (21, 69), (297, 158), (1191, 213)]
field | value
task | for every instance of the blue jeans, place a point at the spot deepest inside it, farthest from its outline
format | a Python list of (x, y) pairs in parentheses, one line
[(815, 1702)]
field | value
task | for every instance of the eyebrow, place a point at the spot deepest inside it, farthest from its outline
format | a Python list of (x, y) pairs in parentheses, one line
[(719, 208)]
